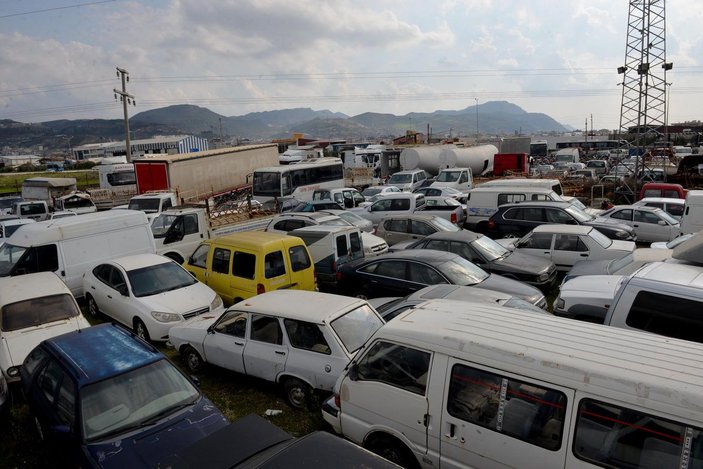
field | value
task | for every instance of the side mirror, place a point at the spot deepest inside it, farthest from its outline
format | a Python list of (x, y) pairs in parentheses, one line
[(353, 372), (123, 290), (662, 223), (195, 380)]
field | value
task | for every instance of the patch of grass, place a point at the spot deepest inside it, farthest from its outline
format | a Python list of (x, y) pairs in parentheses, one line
[(11, 183)]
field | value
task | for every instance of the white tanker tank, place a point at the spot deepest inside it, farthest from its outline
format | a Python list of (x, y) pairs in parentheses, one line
[(478, 158), (430, 158)]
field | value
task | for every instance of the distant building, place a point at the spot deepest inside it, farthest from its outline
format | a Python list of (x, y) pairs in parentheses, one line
[(19, 160), (169, 145)]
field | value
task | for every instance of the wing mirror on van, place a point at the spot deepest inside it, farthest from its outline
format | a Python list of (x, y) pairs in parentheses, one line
[(353, 372)]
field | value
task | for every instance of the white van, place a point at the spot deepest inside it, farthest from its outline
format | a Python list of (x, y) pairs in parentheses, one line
[(692, 219), (552, 184), (72, 245), (460, 179), (443, 385), (567, 155), (330, 248), (484, 201), (407, 181)]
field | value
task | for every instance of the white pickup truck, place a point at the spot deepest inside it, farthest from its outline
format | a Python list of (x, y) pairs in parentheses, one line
[(179, 230), (663, 298)]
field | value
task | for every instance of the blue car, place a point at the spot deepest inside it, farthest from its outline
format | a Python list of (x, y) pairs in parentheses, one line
[(102, 397)]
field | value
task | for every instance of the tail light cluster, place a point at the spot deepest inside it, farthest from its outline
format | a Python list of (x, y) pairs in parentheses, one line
[(491, 225), (454, 218), (260, 288)]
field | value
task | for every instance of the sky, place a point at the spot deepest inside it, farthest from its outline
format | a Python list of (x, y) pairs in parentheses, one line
[(58, 58)]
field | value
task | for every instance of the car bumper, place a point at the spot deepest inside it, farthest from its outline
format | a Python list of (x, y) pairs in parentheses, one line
[(331, 414)]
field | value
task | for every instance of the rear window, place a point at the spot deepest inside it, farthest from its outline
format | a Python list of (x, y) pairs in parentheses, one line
[(666, 315), (37, 311), (299, 258)]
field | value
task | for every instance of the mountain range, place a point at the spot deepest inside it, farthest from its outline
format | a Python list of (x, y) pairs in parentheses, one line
[(494, 118)]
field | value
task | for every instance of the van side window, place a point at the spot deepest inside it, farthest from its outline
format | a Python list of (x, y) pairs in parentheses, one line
[(266, 329), (299, 259), (199, 257), (521, 410), (342, 247), (190, 223), (220, 260), (397, 365), (510, 198), (306, 336), (666, 315), (243, 265), (613, 436), (274, 265)]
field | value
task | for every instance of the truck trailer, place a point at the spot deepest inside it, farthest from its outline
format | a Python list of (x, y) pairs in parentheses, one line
[(197, 176)]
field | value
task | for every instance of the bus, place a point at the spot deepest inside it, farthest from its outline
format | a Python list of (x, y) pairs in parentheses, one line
[(297, 180), (595, 145), (538, 148)]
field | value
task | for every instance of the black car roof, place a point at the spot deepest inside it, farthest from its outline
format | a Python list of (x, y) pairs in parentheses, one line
[(541, 203), (429, 256)]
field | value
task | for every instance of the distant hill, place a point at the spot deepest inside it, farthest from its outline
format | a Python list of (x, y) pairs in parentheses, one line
[(494, 118)]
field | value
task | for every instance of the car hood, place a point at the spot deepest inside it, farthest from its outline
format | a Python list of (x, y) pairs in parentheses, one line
[(592, 286), (624, 246), (609, 223), (522, 263), (181, 301), (197, 323), (588, 268), (20, 343), (147, 448), (371, 239), (513, 287)]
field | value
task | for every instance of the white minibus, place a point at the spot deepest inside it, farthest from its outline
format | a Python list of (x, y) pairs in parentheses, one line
[(449, 385)]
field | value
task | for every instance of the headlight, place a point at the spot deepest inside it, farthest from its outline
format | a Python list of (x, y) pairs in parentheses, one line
[(216, 303), (559, 303), (622, 234), (13, 371), (165, 317), (544, 277)]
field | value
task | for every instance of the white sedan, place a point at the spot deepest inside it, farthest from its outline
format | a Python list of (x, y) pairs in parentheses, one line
[(567, 244), (147, 292), (650, 224)]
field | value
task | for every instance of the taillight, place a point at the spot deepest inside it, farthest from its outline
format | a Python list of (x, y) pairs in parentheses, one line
[(337, 400), (491, 225), (453, 219), (260, 288), (375, 230)]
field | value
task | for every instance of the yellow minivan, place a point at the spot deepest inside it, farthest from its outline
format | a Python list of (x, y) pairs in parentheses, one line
[(241, 265)]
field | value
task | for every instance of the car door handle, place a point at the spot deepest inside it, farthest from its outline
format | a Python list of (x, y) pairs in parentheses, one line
[(546, 252), (636, 226), (583, 255), (278, 352), (238, 343), (109, 296), (92, 287)]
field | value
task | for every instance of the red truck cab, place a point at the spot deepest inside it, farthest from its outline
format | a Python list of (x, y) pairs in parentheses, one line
[(662, 189)]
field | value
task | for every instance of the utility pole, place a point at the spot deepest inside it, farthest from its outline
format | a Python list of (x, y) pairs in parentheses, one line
[(126, 98), (476, 120)]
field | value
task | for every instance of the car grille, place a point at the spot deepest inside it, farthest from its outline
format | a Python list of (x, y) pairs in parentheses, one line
[(197, 312), (379, 248)]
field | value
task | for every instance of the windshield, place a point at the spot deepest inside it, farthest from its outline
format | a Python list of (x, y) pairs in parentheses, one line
[(616, 265), (668, 218), (370, 191), (37, 311), (578, 214), (9, 229), (462, 272), (159, 278), (9, 202), (400, 178), (445, 225), (266, 184), (122, 178), (672, 244), (150, 205), (356, 326), (161, 224), (577, 203), (489, 248), (448, 176), (350, 217), (600, 238), (128, 401), (9, 255)]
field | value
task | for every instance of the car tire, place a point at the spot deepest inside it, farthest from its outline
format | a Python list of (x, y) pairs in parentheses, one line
[(92, 306), (297, 392), (175, 257), (192, 358), (393, 450), (140, 330), (362, 294)]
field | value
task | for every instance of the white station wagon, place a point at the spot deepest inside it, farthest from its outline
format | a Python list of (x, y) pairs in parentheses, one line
[(33, 307), (299, 339)]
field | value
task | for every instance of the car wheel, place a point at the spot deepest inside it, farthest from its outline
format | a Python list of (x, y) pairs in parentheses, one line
[(140, 330), (92, 306), (363, 294), (297, 393), (393, 450), (192, 358), (174, 257)]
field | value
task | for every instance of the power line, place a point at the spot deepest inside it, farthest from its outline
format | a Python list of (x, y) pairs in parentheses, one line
[(78, 5)]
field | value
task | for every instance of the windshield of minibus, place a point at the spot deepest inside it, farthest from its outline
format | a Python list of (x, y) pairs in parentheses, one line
[(266, 184)]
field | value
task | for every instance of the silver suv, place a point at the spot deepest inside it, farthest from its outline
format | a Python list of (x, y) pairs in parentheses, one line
[(286, 222)]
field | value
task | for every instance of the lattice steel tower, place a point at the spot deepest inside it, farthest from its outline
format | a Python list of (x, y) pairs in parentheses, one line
[(643, 108)]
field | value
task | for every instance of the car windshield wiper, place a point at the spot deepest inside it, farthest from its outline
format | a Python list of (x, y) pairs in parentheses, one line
[(166, 411)]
